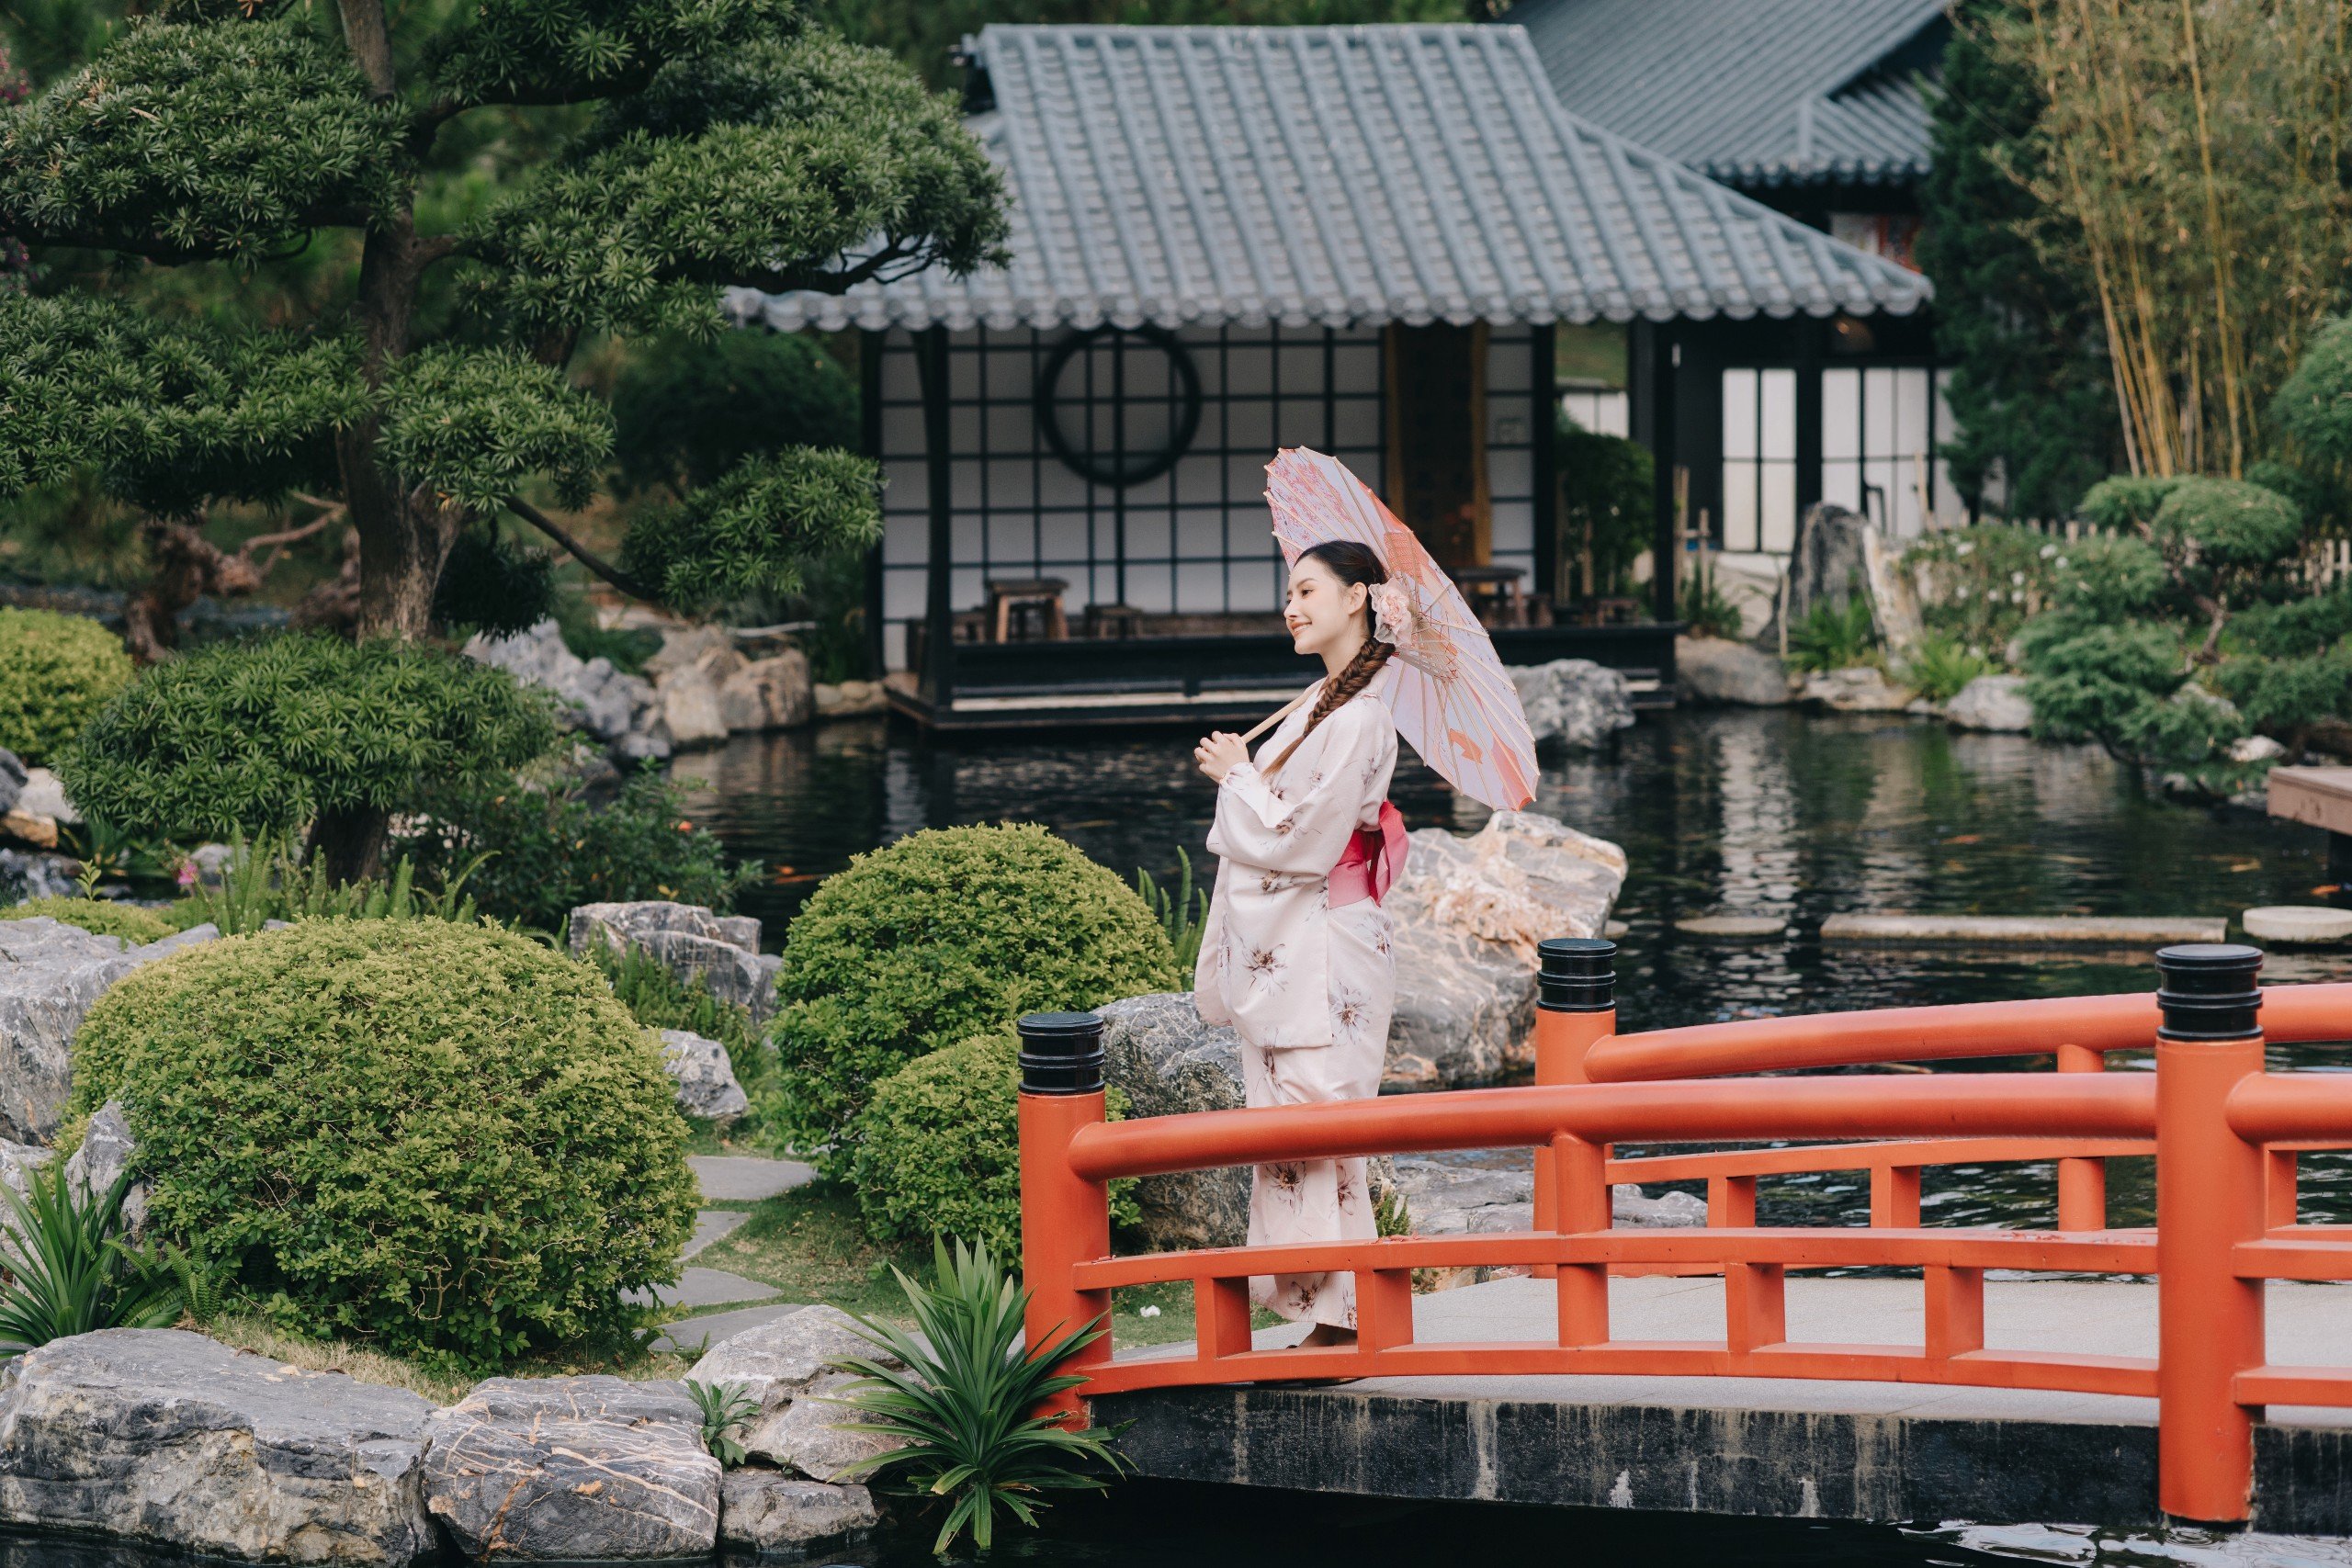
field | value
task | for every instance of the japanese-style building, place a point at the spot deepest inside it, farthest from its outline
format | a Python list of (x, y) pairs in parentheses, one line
[(1229, 240), (1818, 108)]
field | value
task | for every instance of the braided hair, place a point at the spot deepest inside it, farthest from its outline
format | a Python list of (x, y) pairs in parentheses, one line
[(1352, 563)]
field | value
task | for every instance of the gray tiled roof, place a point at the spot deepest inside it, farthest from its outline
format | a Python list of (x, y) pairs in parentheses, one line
[(1328, 174), (1754, 92)]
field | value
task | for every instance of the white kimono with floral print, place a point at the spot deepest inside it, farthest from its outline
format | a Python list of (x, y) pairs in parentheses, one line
[(1309, 989)]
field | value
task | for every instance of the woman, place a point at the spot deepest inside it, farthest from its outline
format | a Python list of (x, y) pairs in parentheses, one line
[(1296, 953)]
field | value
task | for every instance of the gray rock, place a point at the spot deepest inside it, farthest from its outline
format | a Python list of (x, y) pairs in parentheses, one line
[(769, 693), (850, 698), (690, 707), (1467, 915), (1861, 689), (1166, 1062), (708, 648), (1484, 1190), (167, 1438), (108, 1149), (50, 974), (18, 1161), (721, 954), (2256, 749), (44, 795), (32, 874), (573, 1468), (1712, 670), (1574, 702), (787, 1365), (705, 1079), (620, 710), (769, 1511), (1992, 703), (12, 779), (1830, 565)]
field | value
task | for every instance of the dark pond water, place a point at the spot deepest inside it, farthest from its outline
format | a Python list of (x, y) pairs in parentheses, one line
[(1770, 812)]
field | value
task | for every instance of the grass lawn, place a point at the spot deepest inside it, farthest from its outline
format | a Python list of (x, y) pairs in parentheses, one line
[(808, 1245)]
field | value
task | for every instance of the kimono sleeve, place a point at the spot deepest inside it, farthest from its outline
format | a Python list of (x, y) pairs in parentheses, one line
[(1308, 833)]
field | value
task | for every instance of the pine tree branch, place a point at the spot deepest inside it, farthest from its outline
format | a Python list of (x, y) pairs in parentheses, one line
[(578, 551)]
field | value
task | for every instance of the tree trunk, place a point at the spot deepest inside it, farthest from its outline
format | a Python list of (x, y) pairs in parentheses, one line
[(187, 565), (350, 843)]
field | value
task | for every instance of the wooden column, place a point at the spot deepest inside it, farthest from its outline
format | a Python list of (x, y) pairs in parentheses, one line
[(1543, 424), (1658, 366), (869, 412), (938, 674)]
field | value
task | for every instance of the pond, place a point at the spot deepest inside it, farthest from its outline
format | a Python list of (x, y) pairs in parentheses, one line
[(1772, 812)]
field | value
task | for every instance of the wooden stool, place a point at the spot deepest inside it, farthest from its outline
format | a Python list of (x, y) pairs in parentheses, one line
[(1041, 593), (1114, 621)]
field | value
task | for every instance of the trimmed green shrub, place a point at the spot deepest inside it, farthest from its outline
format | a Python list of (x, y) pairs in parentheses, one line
[(99, 916), (56, 673), (447, 1140), (268, 736), (940, 1151), (550, 850), (943, 935)]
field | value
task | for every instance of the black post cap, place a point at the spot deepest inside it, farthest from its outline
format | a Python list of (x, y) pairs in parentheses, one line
[(2206, 991), (1579, 975), (1061, 1052)]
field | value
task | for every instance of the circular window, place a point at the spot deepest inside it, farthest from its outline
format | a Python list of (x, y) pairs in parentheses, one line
[(1119, 405)]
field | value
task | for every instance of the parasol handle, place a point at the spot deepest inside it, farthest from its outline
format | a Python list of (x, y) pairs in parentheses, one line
[(1280, 713)]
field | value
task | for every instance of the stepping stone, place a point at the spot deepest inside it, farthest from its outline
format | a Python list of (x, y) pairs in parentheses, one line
[(2292, 923), (688, 1337), (702, 1288), (712, 1224), (1747, 927), (737, 1178)]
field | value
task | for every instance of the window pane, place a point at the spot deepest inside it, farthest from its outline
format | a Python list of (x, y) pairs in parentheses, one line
[(1739, 506), (1739, 413), (1779, 398), (1841, 415), (1779, 505)]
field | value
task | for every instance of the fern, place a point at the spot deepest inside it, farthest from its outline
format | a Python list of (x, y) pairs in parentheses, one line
[(1834, 637)]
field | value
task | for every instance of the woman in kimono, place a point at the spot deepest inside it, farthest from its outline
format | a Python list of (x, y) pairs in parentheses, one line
[(1295, 952)]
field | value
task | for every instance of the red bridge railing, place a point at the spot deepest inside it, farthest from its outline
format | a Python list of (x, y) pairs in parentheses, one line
[(2218, 1125)]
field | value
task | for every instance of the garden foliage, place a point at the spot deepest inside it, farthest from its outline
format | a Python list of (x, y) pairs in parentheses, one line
[(943, 935), (71, 1269), (939, 1151), (444, 1139), (99, 916), (500, 182), (56, 673), (550, 849), (1834, 637), (1606, 506), (302, 729)]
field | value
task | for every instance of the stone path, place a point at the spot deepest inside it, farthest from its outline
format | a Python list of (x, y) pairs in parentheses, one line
[(724, 1178)]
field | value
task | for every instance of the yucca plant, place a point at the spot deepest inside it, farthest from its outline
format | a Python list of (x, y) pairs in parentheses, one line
[(727, 1408), (70, 1270), (1941, 668), (962, 1401), (267, 881), (1183, 914), (1834, 637)]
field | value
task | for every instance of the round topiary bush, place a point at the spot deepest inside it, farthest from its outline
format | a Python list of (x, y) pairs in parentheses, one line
[(99, 916), (945, 934), (56, 673), (940, 1151), (448, 1140)]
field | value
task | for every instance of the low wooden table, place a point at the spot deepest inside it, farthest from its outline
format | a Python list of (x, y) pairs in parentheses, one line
[(1493, 592), (1114, 621), (1009, 593)]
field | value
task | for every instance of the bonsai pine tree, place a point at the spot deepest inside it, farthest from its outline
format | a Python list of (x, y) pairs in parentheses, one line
[(509, 177)]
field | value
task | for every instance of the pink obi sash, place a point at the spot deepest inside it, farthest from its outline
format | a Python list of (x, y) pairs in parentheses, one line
[(1370, 865)]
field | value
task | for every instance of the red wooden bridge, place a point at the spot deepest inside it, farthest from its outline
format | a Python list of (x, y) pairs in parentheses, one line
[(2224, 1132)]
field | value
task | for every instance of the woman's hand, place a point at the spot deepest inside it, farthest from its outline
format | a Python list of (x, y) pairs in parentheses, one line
[(1219, 754)]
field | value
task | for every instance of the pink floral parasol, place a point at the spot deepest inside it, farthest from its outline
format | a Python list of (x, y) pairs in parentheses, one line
[(1453, 701)]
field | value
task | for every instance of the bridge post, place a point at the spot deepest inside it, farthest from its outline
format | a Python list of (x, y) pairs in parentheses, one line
[(1065, 1219), (1576, 1005), (2210, 1197)]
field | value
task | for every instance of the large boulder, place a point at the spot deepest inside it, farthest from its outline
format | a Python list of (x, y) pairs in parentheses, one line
[(769, 693), (705, 1078), (1467, 914), (787, 1366), (572, 1468), (1574, 702), (12, 779), (721, 953), (50, 974), (850, 698), (690, 707), (36, 873), (621, 710), (1861, 689), (108, 1149), (43, 795), (1712, 670), (1484, 1190), (1995, 702), (1158, 1052), (766, 1510), (166, 1438)]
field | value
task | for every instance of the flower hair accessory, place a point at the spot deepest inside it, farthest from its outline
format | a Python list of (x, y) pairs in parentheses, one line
[(1397, 620)]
